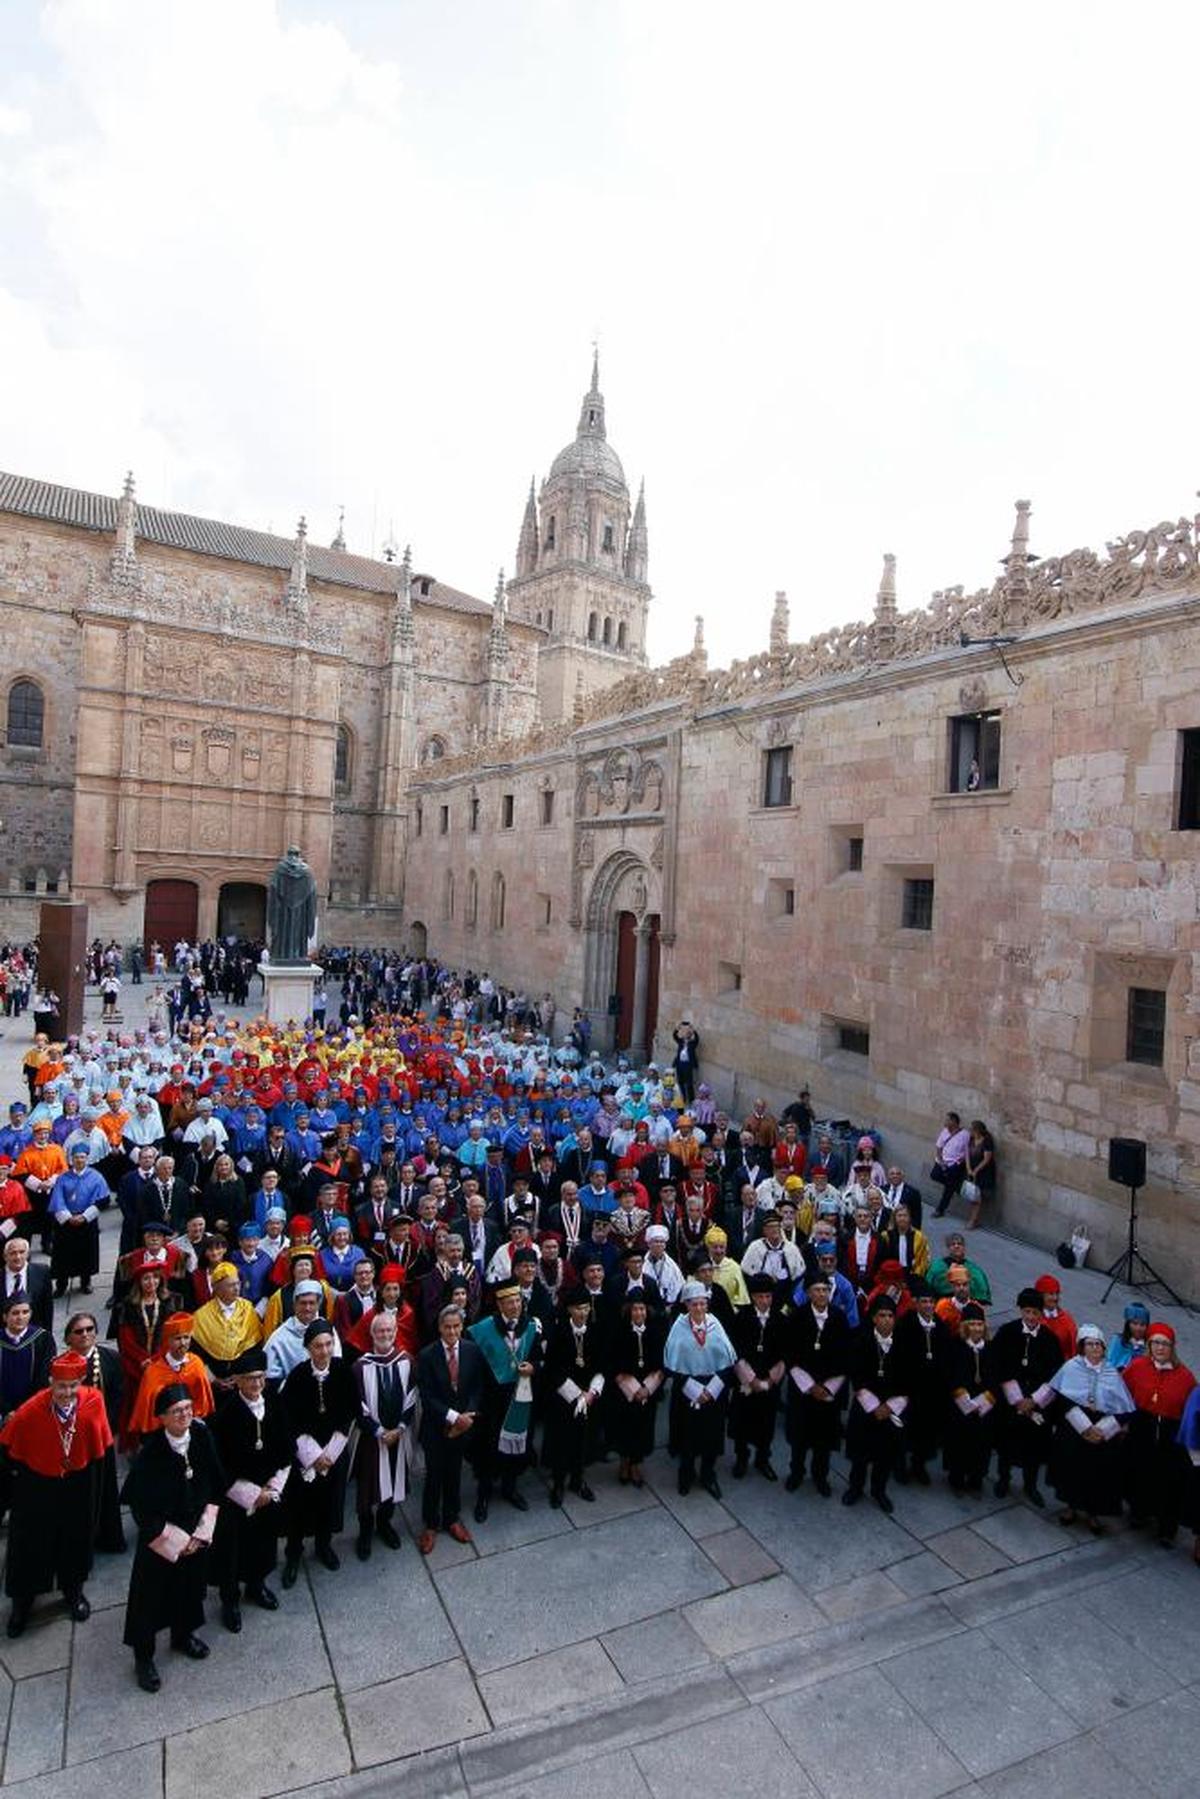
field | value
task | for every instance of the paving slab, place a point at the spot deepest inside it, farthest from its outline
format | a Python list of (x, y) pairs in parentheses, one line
[(427, 1710), (275, 1749), (568, 1677), (771, 1611), (655, 1647), (45, 1646), (133, 1774), (742, 1754), (967, 1552), (6, 1692), (36, 1726), (979, 1702), (1085, 1665), (827, 1547), (1013, 1589), (924, 1573), (1023, 1534), (612, 1499), (608, 1777), (436, 1774), (108, 1582), (898, 1756), (506, 1529), (381, 1618), (522, 1752), (107, 1711), (864, 1596), (700, 1514), (740, 1557), (1082, 1766), (1159, 1745), (927, 1511), (1147, 1609), (599, 1586), (842, 1648)]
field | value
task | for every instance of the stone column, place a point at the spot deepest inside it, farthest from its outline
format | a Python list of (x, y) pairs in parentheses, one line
[(125, 870), (641, 984)]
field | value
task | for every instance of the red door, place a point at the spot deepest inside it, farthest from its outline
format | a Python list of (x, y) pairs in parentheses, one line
[(172, 909), (626, 959)]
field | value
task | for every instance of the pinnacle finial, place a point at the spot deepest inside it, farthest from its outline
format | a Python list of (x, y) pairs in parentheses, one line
[(595, 388), (500, 591), (780, 623), (339, 542), (887, 582), (128, 490)]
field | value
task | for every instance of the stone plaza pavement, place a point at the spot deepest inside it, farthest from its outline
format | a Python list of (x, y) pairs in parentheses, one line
[(771, 1643)]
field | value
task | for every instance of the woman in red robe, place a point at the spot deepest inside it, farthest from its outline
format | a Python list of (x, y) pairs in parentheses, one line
[(1159, 1384)]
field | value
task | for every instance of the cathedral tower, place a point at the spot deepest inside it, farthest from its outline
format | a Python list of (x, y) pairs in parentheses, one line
[(581, 567)]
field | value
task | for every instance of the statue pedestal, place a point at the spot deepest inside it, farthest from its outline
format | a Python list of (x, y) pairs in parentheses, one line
[(288, 990)]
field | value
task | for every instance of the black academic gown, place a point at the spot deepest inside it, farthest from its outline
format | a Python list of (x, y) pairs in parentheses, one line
[(318, 1409), (968, 1436), (927, 1351), (761, 1345), (569, 1437), (872, 1442), (630, 1423), (1024, 1442), (158, 1491), (104, 1371), (254, 1450), (823, 1356)]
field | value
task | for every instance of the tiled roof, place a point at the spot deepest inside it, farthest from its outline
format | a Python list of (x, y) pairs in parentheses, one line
[(210, 537)]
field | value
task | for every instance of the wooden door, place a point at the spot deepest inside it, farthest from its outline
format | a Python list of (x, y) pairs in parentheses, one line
[(626, 962), (172, 910)]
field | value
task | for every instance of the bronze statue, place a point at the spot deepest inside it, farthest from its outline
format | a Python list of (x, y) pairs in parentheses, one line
[(291, 909)]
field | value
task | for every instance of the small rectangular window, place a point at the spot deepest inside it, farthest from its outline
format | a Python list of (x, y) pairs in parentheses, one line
[(473, 813), (507, 812), (781, 898), (917, 912), (1146, 1026), (777, 776), (547, 805), (854, 853), (729, 977), (974, 752), (420, 818), (1189, 781), (545, 909), (854, 1038), (443, 820)]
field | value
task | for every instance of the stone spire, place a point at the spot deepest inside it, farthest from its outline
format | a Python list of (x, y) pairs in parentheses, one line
[(497, 663), (403, 631), (637, 550), (884, 632), (780, 624), (1017, 564), (527, 545), (339, 542), (591, 413), (698, 648), (296, 594), (123, 562)]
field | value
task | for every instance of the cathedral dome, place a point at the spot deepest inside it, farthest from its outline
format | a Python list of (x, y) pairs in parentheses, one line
[(591, 455)]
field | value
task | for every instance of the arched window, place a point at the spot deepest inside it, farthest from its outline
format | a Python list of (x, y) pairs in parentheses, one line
[(622, 636), (26, 715), (341, 760), (434, 749), (607, 541), (551, 527), (472, 917), (593, 626), (448, 896), (498, 898), (607, 631)]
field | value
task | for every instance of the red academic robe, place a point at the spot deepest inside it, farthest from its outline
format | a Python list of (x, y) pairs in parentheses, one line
[(31, 1435)]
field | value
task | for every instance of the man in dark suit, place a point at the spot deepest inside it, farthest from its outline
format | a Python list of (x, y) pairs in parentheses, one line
[(21, 1276), (479, 1235), (275, 1154), (900, 1192), (659, 1167), (138, 1182), (372, 1218), (450, 1381), (164, 1199)]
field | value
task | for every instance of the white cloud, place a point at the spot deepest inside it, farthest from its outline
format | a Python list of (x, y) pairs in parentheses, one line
[(862, 276)]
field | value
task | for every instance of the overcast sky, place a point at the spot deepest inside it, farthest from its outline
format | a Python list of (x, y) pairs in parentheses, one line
[(862, 275)]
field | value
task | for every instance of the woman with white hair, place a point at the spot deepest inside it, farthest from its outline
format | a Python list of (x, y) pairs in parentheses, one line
[(1087, 1462), (700, 1358)]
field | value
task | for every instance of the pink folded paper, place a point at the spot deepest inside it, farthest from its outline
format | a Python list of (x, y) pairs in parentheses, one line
[(170, 1542)]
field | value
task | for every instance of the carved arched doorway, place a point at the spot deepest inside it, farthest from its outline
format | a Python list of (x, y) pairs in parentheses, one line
[(621, 954), (418, 939)]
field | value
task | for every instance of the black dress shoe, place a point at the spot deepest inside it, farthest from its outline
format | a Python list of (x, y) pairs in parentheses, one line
[(766, 1470), (1035, 1496), (328, 1557), (822, 1485), (362, 1547), (711, 1484), (517, 1500), (387, 1534), (739, 1468), (794, 1480), (1001, 1488), (85, 1286), (885, 1505), (851, 1496), (556, 1496), (78, 1607), (193, 1647), (148, 1676), (920, 1474), (685, 1482), (18, 1618), (231, 1616), (585, 1492), (264, 1598), (481, 1511), (291, 1572)]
